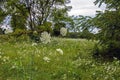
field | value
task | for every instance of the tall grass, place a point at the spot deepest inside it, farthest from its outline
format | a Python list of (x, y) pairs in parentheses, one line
[(26, 60)]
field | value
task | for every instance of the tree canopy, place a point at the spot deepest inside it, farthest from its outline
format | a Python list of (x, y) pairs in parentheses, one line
[(31, 13)]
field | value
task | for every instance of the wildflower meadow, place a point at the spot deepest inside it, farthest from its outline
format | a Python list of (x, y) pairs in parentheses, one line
[(61, 59), (59, 39)]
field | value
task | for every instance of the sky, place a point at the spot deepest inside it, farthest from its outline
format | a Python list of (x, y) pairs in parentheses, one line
[(84, 7)]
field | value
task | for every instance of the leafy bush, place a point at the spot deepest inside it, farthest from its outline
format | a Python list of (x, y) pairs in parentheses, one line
[(107, 52), (82, 35), (73, 35)]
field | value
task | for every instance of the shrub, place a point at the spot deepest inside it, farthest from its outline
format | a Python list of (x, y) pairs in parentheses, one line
[(107, 52), (73, 35)]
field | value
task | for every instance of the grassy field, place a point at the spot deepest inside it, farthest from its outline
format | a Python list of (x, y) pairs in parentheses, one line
[(62, 59)]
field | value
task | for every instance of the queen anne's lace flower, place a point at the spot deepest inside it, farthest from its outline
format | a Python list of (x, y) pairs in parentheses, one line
[(63, 31), (45, 37), (60, 51), (46, 59), (34, 44), (8, 31)]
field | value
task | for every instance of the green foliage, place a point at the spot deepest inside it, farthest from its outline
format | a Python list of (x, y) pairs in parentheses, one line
[(18, 22), (60, 18), (2, 14), (6, 37), (111, 4), (87, 35), (59, 15), (47, 26), (1, 31), (80, 23), (18, 31), (109, 25), (82, 26), (83, 35), (23, 12), (73, 35)]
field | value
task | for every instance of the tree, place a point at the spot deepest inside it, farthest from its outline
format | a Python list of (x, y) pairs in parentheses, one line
[(109, 24), (33, 12), (2, 11), (82, 26), (2, 15), (60, 18), (80, 23)]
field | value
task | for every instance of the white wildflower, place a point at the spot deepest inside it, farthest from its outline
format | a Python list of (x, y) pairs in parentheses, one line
[(35, 32), (8, 31), (93, 65), (6, 57), (46, 59), (60, 51), (45, 37), (108, 68), (106, 77), (13, 67), (63, 31), (94, 74), (34, 44), (64, 76)]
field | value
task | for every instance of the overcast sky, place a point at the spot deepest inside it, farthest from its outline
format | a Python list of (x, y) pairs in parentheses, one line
[(84, 7)]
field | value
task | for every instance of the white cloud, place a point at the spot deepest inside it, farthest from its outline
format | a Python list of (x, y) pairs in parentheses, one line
[(83, 7)]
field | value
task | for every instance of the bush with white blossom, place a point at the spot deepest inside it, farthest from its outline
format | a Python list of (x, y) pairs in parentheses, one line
[(63, 31), (45, 37)]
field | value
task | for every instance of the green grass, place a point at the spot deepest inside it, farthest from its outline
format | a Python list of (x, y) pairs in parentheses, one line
[(21, 60)]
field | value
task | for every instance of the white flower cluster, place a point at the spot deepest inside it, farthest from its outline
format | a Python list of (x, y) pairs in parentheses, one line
[(60, 51), (47, 59), (34, 44), (45, 37), (7, 31), (4, 59), (63, 31)]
